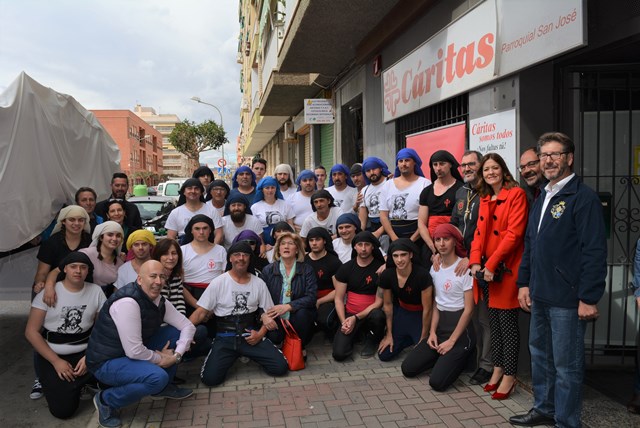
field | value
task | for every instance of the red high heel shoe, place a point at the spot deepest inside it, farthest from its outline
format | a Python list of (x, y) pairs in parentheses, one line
[(490, 387), (503, 395)]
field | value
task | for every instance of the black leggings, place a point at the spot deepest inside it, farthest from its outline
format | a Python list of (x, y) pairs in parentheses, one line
[(447, 367), (63, 397), (375, 322)]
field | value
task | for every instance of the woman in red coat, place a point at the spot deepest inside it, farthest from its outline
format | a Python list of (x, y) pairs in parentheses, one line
[(496, 251)]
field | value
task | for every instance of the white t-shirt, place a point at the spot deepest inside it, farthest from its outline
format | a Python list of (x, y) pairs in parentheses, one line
[(344, 199), (225, 297), (343, 250), (300, 207), (179, 217), (203, 268), (450, 288), (402, 204), (371, 199), (268, 215), (126, 275), (286, 194), (231, 231), (73, 313), (329, 223)]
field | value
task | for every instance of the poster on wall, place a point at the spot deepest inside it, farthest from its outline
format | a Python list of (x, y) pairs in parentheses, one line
[(496, 133), (450, 138)]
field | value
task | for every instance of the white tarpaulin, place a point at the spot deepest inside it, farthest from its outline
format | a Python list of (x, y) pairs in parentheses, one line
[(49, 147)]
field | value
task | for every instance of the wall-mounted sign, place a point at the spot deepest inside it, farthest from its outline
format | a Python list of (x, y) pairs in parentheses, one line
[(318, 111), (485, 44), (496, 133)]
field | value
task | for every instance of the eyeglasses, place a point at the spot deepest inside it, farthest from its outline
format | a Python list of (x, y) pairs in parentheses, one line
[(218, 189), (553, 156), (464, 165), (529, 165)]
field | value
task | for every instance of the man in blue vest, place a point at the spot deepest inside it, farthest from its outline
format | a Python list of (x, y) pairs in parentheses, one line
[(129, 348)]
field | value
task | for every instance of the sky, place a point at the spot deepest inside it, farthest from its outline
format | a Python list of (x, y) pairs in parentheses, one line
[(114, 54)]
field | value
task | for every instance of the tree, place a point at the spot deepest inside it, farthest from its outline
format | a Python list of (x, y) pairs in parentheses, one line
[(191, 139)]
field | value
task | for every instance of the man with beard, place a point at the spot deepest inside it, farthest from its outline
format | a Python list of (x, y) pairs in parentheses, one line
[(300, 202), (284, 175), (325, 214), (321, 176), (561, 279), (399, 202), (239, 302), (375, 175), (325, 264), (348, 225), (342, 188), (531, 173), (436, 200), (119, 188), (141, 242), (465, 218), (358, 299), (237, 217), (244, 183)]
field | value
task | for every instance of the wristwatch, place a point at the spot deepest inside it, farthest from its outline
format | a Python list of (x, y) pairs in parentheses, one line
[(178, 357)]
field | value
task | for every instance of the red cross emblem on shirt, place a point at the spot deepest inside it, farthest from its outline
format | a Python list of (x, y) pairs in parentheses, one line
[(447, 286), (320, 273), (369, 279), (211, 264), (447, 202)]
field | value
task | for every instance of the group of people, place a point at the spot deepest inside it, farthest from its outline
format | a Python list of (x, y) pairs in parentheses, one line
[(440, 266)]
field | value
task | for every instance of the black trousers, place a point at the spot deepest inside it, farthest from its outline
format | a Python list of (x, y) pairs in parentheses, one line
[(375, 322), (62, 397), (327, 319), (447, 367), (302, 321)]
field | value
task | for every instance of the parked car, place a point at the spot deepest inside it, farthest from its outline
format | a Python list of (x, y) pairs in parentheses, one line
[(172, 187), (152, 191), (154, 211)]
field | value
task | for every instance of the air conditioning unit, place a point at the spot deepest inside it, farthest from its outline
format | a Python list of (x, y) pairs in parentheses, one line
[(289, 134)]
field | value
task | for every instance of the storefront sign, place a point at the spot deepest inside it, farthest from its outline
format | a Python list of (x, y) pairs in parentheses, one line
[(318, 111), (471, 51), (496, 133)]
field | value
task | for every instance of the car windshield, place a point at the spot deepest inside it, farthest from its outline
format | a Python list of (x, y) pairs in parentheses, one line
[(172, 189), (151, 209)]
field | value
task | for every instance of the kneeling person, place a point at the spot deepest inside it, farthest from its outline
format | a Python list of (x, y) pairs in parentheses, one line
[(239, 301), (132, 351)]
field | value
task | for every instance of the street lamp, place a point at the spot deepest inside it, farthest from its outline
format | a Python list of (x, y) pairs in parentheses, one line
[(198, 100)]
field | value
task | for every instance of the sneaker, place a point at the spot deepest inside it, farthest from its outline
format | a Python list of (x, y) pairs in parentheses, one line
[(36, 391), (107, 416), (370, 346), (177, 380), (172, 392), (481, 376)]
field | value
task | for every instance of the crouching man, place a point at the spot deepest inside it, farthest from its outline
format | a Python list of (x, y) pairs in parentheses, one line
[(129, 348), (239, 301)]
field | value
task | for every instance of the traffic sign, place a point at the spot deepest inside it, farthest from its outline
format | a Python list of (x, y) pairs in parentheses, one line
[(222, 162)]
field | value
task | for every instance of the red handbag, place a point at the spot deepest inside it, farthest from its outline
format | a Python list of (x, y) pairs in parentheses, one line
[(292, 347)]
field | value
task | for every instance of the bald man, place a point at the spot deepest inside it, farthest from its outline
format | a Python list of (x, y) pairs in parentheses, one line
[(129, 348)]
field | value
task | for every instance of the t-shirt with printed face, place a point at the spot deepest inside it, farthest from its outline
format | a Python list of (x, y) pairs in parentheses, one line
[(371, 199), (226, 297), (402, 204)]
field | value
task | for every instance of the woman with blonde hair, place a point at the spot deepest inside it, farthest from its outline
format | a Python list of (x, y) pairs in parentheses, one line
[(293, 286)]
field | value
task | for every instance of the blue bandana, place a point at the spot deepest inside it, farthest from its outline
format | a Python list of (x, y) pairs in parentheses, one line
[(374, 162), (341, 168), (266, 182), (305, 175), (407, 153), (243, 168)]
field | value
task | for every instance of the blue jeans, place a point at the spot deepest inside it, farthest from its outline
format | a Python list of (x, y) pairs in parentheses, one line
[(556, 342), (131, 380)]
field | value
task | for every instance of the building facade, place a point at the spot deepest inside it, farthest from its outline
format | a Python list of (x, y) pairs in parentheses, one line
[(175, 164), (139, 144), (490, 75)]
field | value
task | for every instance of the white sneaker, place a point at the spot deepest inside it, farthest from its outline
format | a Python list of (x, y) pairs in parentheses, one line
[(36, 391)]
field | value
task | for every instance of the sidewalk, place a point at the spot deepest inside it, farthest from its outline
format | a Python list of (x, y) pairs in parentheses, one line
[(326, 394)]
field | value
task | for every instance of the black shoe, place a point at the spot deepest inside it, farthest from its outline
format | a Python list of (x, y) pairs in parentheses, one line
[(531, 419), (634, 405), (178, 380), (370, 346), (481, 376)]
